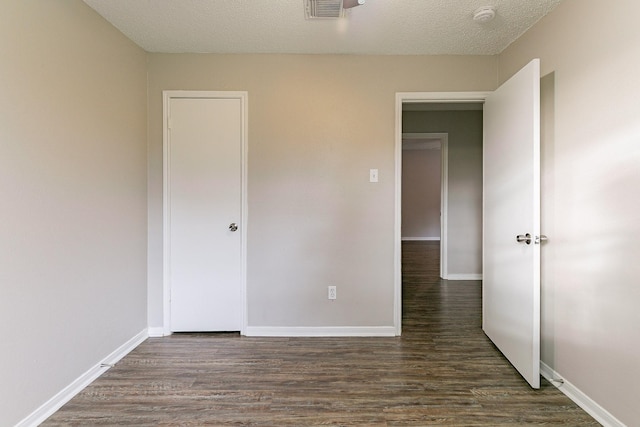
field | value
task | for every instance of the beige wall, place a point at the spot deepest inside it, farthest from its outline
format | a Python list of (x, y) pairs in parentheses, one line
[(464, 244), (73, 185), (590, 56), (317, 124), (421, 194)]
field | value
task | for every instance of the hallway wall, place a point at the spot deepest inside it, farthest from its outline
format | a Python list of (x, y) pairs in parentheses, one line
[(421, 194)]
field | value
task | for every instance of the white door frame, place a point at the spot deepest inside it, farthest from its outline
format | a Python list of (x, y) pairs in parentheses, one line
[(415, 97), (444, 186), (167, 95)]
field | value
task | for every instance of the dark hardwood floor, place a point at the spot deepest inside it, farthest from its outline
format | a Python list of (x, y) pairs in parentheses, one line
[(442, 371)]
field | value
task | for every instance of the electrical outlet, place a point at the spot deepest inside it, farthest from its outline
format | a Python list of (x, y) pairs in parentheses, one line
[(332, 292)]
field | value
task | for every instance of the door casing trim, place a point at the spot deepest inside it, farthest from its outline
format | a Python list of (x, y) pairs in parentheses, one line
[(167, 95), (413, 97)]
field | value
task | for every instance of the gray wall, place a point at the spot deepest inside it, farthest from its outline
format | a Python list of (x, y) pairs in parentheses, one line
[(464, 244), (73, 185), (590, 57), (317, 124), (421, 194)]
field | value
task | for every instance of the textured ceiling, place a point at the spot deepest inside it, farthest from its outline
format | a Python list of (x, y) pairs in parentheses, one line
[(384, 27)]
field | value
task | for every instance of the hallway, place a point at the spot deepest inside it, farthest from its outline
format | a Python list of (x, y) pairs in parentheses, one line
[(442, 371)]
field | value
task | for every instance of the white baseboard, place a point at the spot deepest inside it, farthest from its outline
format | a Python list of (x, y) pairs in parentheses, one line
[(600, 414), (156, 332), (329, 331), (464, 277), (67, 393), (436, 239)]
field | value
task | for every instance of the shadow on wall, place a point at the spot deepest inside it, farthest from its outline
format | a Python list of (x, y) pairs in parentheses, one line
[(547, 187)]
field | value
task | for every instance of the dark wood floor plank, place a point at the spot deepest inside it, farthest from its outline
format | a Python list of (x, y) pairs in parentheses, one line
[(442, 371)]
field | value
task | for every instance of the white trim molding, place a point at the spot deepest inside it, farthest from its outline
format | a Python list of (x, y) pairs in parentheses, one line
[(66, 394), (464, 277), (167, 95), (156, 332), (592, 408), (319, 331), (444, 204)]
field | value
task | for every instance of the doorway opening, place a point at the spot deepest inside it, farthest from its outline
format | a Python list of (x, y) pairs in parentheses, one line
[(416, 104), (510, 207), (425, 190)]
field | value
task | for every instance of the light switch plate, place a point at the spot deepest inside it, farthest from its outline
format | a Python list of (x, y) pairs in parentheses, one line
[(373, 175)]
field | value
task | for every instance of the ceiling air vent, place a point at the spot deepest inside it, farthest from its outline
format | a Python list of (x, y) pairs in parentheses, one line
[(323, 9)]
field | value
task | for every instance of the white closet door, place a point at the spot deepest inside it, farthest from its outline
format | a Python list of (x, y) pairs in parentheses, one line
[(204, 208)]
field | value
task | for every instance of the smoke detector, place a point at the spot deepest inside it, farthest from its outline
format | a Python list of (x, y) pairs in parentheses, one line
[(484, 14)]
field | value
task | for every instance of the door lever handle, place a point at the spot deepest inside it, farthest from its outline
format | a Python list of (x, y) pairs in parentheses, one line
[(526, 238)]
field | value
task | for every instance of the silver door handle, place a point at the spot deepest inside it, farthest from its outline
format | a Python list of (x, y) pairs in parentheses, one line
[(524, 238), (233, 227)]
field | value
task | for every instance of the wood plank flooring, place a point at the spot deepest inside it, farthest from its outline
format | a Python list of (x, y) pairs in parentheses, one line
[(442, 371)]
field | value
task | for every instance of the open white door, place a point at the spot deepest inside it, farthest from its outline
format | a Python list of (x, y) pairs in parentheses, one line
[(511, 264)]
